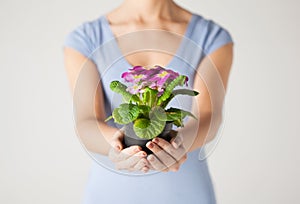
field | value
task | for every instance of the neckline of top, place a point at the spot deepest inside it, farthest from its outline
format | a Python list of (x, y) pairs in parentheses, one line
[(187, 34)]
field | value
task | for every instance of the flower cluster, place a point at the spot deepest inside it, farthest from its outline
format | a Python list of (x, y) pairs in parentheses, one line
[(146, 98), (155, 77)]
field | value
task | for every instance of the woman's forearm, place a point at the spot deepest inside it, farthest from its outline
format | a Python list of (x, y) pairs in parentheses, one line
[(95, 135), (194, 137)]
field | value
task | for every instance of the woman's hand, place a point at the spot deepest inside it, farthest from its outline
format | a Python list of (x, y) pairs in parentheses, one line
[(131, 158), (166, 156)]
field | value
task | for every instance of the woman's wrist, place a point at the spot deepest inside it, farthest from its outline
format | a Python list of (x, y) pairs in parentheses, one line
[(96, 135)]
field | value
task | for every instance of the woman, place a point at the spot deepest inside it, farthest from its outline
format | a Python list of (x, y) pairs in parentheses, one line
[(184, 179)]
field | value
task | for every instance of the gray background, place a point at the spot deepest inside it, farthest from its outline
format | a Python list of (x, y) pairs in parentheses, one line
[(256, 161)]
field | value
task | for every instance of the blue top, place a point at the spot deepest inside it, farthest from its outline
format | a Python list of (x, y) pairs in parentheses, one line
[(192, 183)]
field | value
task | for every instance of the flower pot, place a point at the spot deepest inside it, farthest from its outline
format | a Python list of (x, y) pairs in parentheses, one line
[(130, 138)]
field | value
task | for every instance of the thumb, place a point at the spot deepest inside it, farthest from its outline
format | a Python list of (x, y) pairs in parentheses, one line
[(117, 140), (176, 140)]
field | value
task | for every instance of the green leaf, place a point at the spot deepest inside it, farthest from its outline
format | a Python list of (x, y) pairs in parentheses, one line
[(176, 113), (144, 110), (178, 92), (172, 116), (149, 96), (178, 123), (108, 118), (185, 92), (142, 123), (159, 113), (125, 113), (120, 88), (179, 81), (149, 128), (166, 102)]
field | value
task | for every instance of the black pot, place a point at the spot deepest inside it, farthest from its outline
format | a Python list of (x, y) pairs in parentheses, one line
[(130, 138)]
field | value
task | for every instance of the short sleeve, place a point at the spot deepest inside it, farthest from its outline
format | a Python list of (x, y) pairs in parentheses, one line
[(217, 37), (79, 40)]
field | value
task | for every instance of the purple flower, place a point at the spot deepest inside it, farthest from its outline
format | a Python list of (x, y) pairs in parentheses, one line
[(147, 70), (133, 78), (134, 89), (136, 68), (127, 76), (186, 80), (160, 78), (173, 75), (154, 77)]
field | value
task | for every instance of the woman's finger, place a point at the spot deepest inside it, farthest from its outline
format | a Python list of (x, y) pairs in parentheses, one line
[(128, 152), (131, 161), (177, 141), (175, 167), (166, 146), (163, 156), (142, 165), (116, 141), (156, 164)]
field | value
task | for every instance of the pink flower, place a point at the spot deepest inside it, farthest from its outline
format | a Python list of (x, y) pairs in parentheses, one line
[(186, 80), (160, 78), (137, 69), (154, 77), (127, 76), (133, 78), (134, 89), (173, 75)]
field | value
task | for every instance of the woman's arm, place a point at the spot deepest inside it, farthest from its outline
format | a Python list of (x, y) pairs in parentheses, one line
[(88, 102), (89, 115), (211, 82)]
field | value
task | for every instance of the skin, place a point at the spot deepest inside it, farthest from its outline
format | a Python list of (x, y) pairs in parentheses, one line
[(98, 137)]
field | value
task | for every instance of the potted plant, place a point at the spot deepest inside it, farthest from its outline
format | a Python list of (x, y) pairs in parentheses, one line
[(144, 113)]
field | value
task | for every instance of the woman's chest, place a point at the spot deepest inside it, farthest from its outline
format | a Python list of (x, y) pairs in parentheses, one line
[(148, 44)]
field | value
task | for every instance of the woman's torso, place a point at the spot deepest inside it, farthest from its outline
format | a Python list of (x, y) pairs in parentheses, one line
[(192, 183), (118, 26)]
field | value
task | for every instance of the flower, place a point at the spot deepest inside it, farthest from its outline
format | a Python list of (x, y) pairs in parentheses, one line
[(173, 75), (136, 68), (134, 89), (146, 97), (155, 86), (133, 78), (186, 80), (154, 77), (160, 78)]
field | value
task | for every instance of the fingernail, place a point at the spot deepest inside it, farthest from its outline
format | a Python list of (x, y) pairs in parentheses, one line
[(143, 154), (150, 144), (175, 145), (151, 158), (156, 140)]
